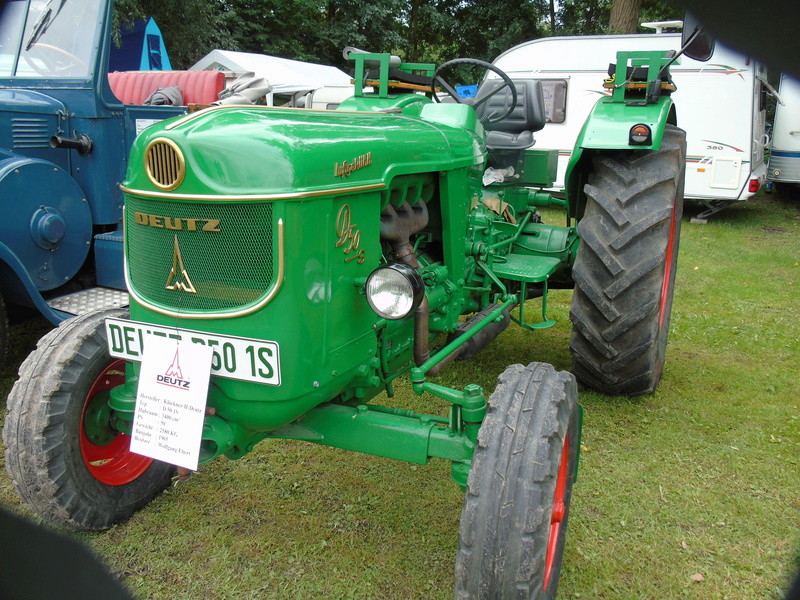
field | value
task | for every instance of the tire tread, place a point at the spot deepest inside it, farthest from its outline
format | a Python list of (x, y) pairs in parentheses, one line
[(620, 266), (506, 512), (42, 452)]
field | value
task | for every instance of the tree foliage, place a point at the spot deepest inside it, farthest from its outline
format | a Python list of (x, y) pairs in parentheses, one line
[(489, 28), (583, 17), (593, 17), (416, 30), (191, 28)]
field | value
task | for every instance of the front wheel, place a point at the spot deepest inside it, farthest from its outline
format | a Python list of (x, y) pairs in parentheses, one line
[(624, 271), (65, 459), (514, 520)]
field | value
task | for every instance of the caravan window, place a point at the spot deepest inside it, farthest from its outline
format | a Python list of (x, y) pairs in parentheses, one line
[(555, 99)]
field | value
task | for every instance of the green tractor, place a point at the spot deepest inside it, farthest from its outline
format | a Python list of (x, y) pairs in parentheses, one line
[(300, 261)]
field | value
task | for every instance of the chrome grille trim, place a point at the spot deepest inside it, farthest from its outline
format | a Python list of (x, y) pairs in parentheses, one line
[(164, 164)]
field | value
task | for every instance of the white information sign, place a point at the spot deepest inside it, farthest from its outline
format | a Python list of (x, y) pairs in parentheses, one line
[(142, 124), (171, 402)]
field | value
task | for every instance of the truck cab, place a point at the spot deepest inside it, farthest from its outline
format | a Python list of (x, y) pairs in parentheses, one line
[(66, 126)]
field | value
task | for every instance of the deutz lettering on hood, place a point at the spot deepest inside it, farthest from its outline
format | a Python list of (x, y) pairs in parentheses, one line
[(177, 223)]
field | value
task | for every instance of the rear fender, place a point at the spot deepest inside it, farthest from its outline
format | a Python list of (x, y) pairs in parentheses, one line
[(607, 128)]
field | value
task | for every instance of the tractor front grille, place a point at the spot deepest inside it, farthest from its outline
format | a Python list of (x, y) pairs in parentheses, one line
[(199, 257), (164, 163)]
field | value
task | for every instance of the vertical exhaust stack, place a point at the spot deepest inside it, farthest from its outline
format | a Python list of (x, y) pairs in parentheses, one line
[(397, 227)]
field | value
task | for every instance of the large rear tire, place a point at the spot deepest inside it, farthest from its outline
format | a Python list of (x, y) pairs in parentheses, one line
[(64, 458), (625, 268), (514, 520)]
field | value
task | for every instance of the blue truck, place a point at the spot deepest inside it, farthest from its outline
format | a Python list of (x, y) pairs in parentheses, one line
[(66, 126)]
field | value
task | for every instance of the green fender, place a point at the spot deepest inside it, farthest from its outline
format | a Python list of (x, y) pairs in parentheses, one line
[(607, 128)]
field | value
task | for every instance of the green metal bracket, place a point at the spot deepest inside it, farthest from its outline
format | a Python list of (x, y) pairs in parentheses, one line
[(544, 200), (383, 62), (545, 322), (515, 237), (418, 373), (471, 400), (389, 432), (653, 60)]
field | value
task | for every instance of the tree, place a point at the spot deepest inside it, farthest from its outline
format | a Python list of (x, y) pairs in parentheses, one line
[(375, 26), (189, 33), (583, 17), (624, 16), (416, 30), (263, 27), (431, 30), (593, 17), (660, 10), (486, 30)]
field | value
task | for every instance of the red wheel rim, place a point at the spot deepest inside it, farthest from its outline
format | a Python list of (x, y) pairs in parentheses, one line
[(669, 261), (112, 463), (558, 514)]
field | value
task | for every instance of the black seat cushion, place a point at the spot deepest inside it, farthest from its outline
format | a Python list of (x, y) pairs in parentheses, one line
[(504, 140), (528, 113)]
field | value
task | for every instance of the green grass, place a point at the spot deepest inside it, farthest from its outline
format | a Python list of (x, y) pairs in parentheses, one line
[(702, 477)]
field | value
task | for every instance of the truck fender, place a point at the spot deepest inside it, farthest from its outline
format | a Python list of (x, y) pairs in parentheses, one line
[(17, 287), (46, 219), (607, 128)]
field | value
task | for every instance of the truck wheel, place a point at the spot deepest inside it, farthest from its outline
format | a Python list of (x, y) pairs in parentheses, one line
[(624, 272), (65, 460), (514, 520)]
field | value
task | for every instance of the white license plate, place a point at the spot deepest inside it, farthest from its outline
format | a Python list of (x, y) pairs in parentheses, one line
[(234, 357)]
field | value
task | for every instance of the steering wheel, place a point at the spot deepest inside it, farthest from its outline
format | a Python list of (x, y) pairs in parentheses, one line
[(54, 58), (507, 83)]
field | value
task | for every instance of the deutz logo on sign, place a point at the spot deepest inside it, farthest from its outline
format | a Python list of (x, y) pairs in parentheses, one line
[(178, 277), (173, 376), (344, 169)]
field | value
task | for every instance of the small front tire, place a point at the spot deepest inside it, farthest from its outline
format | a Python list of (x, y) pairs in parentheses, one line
[(65, 460), (514, 520)]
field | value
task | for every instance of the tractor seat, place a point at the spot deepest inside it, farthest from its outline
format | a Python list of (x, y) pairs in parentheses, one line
[(515, 132)]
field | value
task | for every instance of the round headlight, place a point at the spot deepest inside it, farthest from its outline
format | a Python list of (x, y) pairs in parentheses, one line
[(394, 291)]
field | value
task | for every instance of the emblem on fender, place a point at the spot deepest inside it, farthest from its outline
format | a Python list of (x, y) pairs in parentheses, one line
[(178, 277), (349, 236), (344, 168)]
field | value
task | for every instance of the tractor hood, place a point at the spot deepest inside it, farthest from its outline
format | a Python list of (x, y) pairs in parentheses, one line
[(264, 152)]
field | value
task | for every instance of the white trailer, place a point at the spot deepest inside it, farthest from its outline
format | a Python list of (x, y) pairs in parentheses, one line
[(720, 103), (784, 160)]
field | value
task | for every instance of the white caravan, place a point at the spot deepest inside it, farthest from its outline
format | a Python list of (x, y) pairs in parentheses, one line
[(784, 160), (720, 103)]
